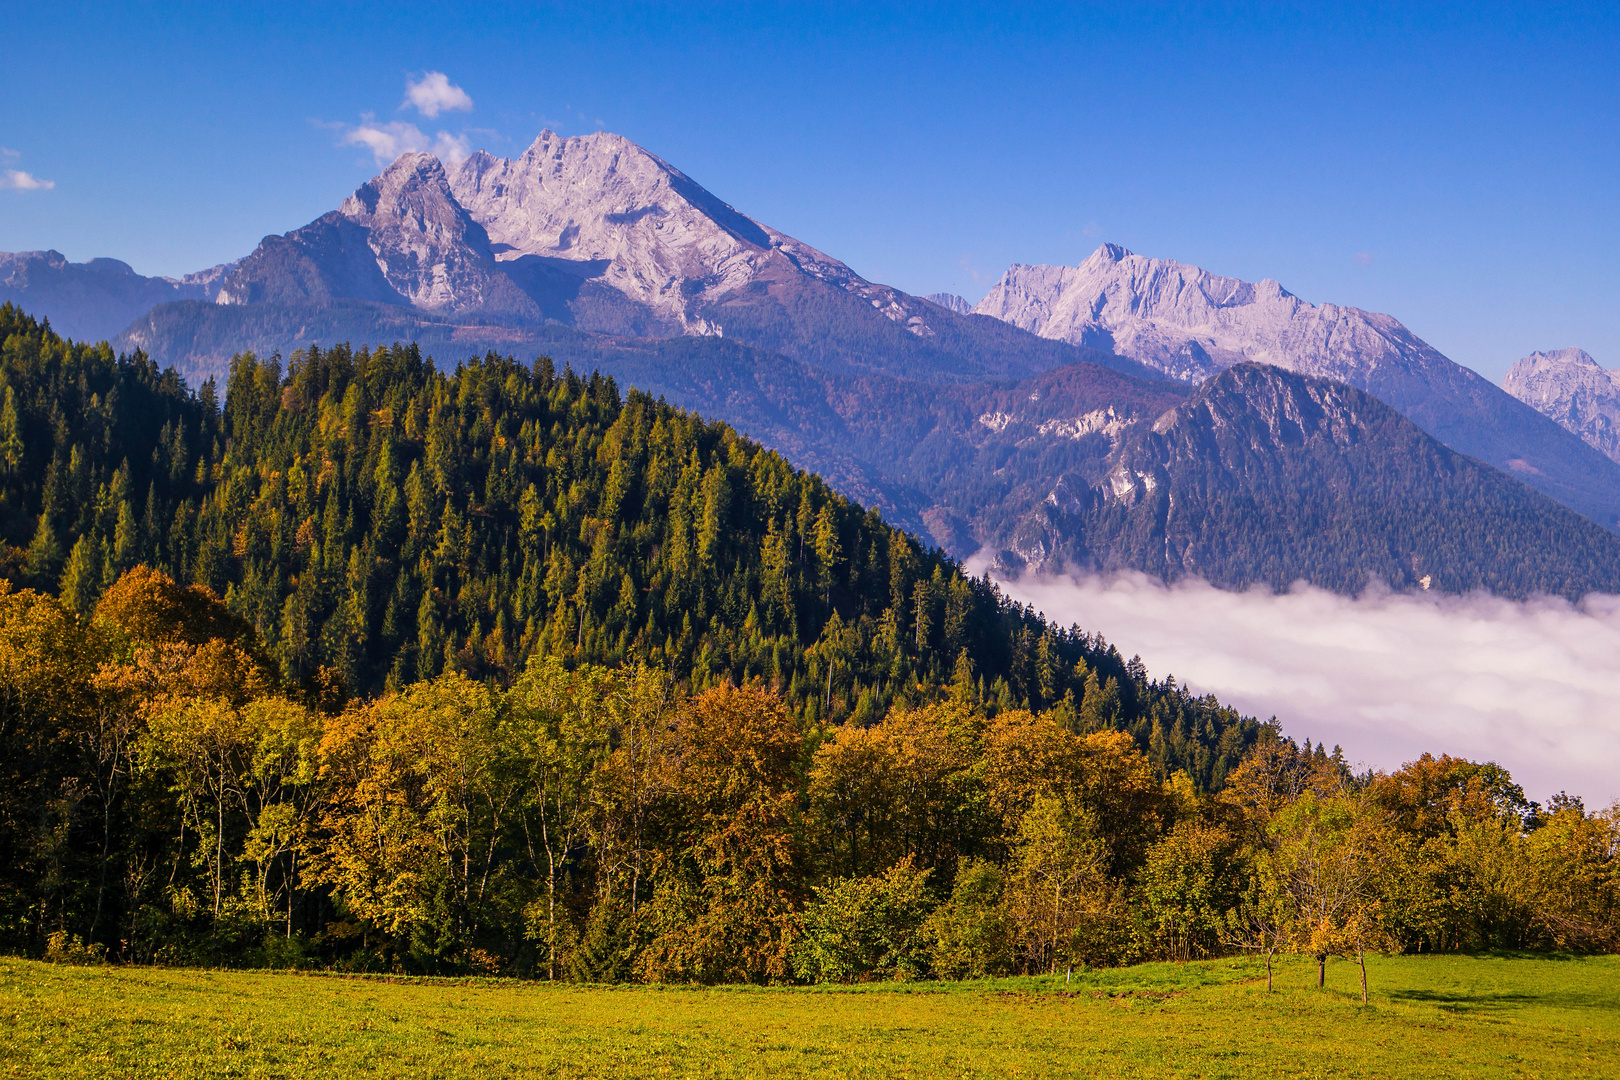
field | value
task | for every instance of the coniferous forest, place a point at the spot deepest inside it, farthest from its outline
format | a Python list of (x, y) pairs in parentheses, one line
[(370, 664)]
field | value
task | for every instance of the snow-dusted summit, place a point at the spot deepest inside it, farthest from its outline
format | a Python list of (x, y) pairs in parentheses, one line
[(1572, 389)]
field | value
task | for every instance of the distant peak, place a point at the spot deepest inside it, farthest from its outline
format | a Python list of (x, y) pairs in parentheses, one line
[(950, 302), (416, 163), (1564, 356), (1110, 253)]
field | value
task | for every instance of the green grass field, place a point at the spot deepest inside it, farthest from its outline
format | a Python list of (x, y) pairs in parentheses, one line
[(1430, 1017)]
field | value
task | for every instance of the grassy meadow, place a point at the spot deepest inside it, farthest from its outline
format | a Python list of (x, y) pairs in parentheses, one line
[(1429, 1017)]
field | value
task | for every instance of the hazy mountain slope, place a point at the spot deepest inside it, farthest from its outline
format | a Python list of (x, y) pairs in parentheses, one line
[(1190, 323), (1571, 389), (1268, 476), (88, 301)]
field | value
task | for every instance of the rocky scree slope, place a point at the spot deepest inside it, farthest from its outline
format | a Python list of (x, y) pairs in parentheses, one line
[(1265, 476), (1571, 389), (1189, 324)]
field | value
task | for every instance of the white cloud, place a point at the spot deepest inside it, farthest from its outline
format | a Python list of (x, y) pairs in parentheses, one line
[(433, 94), (8, 152), (17, 180), (387, 141), (1531, 685)]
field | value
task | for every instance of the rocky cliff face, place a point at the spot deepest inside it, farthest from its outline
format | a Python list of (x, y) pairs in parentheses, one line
[(950, 302), (1570, 388), (401, 239), (1190, 324)]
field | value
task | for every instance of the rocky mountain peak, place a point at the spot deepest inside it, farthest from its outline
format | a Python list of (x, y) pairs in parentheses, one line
[(1573, 390), (617, 213), (1178, 318), (1189, 324), (414, 179), (401, 238)]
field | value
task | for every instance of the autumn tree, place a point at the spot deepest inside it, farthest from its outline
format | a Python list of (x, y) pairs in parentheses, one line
[(724, 908)]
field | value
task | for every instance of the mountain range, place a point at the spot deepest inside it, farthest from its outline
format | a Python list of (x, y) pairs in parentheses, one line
[(1012, 426), (1189, 324)]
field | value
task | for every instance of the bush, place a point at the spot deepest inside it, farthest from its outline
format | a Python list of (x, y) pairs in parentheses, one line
[(859, 929)]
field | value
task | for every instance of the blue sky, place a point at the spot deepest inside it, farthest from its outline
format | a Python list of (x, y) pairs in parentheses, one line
[(1458, 167)]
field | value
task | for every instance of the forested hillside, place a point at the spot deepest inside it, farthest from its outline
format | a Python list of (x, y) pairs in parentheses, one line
[(1267, 476), (381, 521), (388, 668)]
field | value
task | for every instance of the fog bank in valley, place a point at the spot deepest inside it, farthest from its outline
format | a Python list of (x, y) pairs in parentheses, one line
[(1534, 686)]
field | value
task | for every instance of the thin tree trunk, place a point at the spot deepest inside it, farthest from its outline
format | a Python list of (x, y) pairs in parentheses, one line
[(551, 896), (219, 858), (292, 873), (1321, 970), (106, 842), (1361, 958), (1268, 970)]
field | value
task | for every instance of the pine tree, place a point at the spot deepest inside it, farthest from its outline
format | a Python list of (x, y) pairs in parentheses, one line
[(83, 579), (44, 554), (11, 444)]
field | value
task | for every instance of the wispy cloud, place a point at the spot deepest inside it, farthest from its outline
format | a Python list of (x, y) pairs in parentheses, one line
[(8, 152), (387, 141), (1362, 258), (434, 93), (17, 180), (1530, 685), (429, 95)]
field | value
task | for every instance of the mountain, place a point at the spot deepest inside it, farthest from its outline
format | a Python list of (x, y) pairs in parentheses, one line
[(95, 300), (950, 302), (591, 232), (1265, 476), (399, 239), (1570, 388), (1188, 324)]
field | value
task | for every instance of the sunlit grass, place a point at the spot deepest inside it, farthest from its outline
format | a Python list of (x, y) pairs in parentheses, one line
[(1429, 1017)]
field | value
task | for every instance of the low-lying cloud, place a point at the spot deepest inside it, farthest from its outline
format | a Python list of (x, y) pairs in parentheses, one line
[(1534, 685)]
